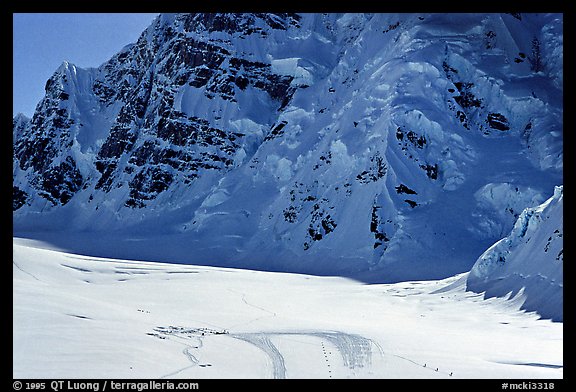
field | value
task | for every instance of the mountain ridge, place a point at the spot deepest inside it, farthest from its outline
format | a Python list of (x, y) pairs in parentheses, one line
[(325, 143)]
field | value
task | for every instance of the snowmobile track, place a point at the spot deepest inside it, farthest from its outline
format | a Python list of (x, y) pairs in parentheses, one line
[(355, 350)]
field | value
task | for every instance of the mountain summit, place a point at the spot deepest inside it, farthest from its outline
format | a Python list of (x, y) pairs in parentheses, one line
[(382, 146)]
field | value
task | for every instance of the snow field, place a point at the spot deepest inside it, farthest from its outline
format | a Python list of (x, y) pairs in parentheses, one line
[(86, 317)]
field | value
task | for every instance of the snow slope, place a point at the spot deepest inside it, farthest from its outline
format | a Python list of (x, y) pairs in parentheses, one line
[(529, 262), (86, 317)]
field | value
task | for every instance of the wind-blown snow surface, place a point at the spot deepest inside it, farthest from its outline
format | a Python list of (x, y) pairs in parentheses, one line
[(87, 317), (529, 261)]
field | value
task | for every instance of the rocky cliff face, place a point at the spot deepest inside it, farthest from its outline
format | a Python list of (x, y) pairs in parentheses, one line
[(324, 143), (131, 107)]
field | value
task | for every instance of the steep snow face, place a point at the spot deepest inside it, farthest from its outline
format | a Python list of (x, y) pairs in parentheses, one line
[(500, 204), (528, 262), (399, 144)]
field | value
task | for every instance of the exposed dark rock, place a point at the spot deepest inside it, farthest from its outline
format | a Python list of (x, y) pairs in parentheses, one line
[(391, 27), (321, 224), (244, 23), (404, 189), (61, 182), (431, 171), (490, 39), (411, 203), (498, 121), (147, 184), (290, 214), (466, 99), (450, 72), (19, 198), (418, 141), (517, 15), (375, 228), (376, 171), (460, 115), (276, 130)]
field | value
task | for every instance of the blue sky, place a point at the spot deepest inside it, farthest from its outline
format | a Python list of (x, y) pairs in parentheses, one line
[(43, 41)]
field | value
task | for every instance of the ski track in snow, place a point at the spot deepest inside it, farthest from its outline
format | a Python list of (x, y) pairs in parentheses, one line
[(262, 341), (355, 350), (269, 313), (183, 336), (26, 272), (192, 359)]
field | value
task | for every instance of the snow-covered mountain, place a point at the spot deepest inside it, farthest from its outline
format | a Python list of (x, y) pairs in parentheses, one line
[(385, 146), (529, 262)]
